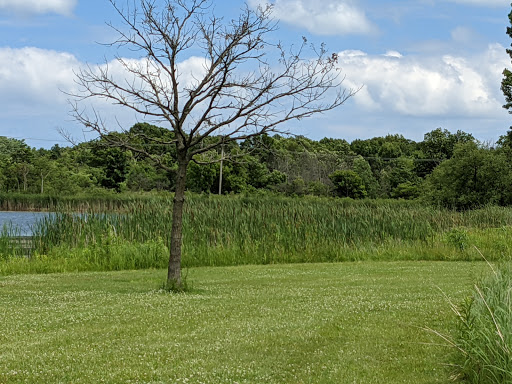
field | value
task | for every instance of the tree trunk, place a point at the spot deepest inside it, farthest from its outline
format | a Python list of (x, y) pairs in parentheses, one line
[(174, 270)]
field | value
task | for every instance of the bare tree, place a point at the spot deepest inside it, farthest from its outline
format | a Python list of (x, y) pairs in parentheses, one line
[(246, 85)]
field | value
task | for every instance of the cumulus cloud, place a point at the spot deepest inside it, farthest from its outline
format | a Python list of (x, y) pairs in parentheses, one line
[(63, 7), (34, 76), (36, 83), (41, 75), (395, 84), (327, 17), (447, 85), (189, 73)]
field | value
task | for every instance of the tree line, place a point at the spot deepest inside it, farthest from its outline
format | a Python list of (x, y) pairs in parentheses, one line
[(448, 169)]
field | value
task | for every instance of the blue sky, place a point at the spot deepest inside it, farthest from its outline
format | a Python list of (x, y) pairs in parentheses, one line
[(423, 64)]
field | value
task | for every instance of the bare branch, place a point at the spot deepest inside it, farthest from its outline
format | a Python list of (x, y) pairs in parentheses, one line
[(225, 97)]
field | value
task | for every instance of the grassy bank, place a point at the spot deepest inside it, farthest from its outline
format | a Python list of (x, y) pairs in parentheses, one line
[(316, 323), (237, 230)]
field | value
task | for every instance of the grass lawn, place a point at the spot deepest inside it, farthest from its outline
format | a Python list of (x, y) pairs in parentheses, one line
[(315, 323)]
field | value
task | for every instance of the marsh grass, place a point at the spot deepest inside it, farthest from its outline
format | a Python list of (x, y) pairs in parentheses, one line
[(98, 200), (238, 230)]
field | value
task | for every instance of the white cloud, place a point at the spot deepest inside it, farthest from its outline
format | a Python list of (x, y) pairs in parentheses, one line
[(35, 76), (63, 7), (396, 54), (326, 17), (396, 86), (484, 3), (41, 75), (449, 86), (35, 83), (190, 71)]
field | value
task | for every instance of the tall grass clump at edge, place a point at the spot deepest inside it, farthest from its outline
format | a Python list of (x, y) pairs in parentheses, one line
[(484, 331)]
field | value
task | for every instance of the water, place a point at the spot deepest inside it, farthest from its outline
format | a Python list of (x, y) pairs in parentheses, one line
[(21, 220)]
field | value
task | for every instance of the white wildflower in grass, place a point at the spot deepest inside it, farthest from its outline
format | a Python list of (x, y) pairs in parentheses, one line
[(321, 323)]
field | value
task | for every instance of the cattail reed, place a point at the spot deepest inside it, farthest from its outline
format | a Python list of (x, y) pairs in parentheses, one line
[(230, 230)]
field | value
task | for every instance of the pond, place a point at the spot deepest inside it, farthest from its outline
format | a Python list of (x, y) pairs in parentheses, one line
[(21, 220)]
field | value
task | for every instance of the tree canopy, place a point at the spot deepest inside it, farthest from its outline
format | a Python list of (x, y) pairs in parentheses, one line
[(273, 164)]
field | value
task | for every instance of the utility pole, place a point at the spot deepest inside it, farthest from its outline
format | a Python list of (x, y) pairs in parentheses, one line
[(221, 164)]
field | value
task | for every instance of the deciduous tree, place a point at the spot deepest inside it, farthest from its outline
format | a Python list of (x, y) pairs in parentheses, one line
[(248, 84)]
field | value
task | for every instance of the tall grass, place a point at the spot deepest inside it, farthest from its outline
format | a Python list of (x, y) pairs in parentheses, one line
[(227, 231), (8, 247), (99, 201), (484, 337), (234, 230)]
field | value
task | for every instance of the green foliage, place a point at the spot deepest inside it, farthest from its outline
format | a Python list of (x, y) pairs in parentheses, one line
[(133, 232), (484, 333), (340, 146), (348, 184), (384, 167), (143, 176), (316, 188), (458, 238), (364, 171), (407, 190), (113, 161), (506, 82), (506, 87), (439, 145), (274, 178), (235, 178), (202, 178), (473, 177), (297, 187)]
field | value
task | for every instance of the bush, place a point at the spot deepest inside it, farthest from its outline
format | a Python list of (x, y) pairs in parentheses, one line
[(484, 332), (348, 184)]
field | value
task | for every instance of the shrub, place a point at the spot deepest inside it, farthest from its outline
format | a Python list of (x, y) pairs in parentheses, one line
[(348, 184)]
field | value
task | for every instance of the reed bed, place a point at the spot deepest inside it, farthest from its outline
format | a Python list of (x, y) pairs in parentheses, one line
[(8, 247), (99, 201), (236, 230)]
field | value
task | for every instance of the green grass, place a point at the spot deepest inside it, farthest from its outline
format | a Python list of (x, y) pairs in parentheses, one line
[(303, 323), (110, 252), (242, 230), (98, 200)]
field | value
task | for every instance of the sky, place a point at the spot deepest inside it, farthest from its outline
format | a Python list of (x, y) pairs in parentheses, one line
[(422, 64)]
